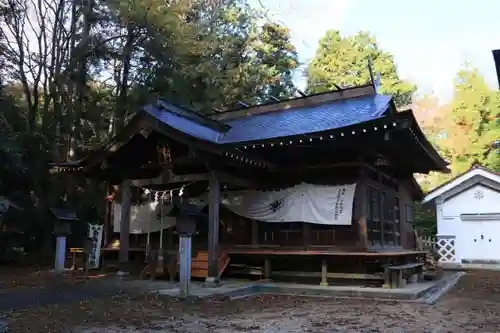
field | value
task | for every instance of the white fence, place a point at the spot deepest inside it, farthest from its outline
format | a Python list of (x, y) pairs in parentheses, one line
[(444, 246)]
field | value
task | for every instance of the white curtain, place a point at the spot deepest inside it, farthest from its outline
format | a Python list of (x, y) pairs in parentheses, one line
[(319, 204), (143, 218), (330, 205)]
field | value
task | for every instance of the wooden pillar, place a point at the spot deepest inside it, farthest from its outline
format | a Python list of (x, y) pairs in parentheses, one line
[(324, 272), (362, 209), (107, 218), (213, 229), (255, 233), (363, 234), (126, 203), (267, 269), (387, 275), (306, 234)]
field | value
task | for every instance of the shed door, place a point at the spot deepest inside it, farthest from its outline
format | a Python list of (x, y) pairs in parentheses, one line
[(481, 241)]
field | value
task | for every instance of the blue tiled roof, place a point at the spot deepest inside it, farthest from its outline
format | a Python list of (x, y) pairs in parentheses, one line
[(303, 120), (296, 121), (183, 124)]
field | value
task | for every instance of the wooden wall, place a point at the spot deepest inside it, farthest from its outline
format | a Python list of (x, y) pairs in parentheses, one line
[(381, 220), (239, 231)]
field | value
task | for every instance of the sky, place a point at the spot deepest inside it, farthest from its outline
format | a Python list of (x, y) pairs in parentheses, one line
[(430, 39)]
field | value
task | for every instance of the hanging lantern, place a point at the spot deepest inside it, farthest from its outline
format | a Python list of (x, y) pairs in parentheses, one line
[(163, 150)]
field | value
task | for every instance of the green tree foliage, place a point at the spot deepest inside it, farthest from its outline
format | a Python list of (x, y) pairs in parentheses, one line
[(343, 61), (279, 58), (425, 219), (473, 124), (90, 65), (463, 130)]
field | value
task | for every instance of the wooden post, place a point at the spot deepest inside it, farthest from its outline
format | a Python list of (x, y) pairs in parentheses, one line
[(306, 234), (363, 235), (267, 269), (255, 233), (324, 272), (108, 218), (73, 261), (387, 276), (126, 204), (213, 229), (362, 202)]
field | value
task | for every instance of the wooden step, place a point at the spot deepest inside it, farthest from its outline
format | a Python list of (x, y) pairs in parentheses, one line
[(199, 264)]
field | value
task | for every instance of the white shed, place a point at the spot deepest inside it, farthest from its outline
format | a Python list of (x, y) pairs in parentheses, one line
[(468, 217)]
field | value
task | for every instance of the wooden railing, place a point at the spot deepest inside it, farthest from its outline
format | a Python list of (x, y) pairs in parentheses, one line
[(428, 243)]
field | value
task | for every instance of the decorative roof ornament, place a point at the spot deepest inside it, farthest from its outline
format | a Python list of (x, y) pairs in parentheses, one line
[(377, 83)]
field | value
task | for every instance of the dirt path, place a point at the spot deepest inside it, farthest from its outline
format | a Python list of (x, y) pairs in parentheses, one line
[(472, 306), (64, 290)]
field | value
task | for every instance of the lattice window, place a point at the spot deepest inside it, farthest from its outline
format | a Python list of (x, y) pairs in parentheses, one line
[(397, 222), (446, 249), (373, 225), (388, 203)]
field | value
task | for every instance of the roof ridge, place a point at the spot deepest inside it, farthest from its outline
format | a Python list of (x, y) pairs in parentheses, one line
[(311, 100), (431, 195)]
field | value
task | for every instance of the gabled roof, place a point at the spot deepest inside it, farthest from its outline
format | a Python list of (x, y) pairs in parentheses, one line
[(351, 110), (304, 118), (451, 184)]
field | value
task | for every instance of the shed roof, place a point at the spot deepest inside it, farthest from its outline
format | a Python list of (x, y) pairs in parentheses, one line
[(474, 171)]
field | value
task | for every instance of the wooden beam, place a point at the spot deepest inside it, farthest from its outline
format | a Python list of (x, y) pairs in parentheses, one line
[(245, 105), (301, 93), (234, 180), (235, 157), (121, 139), (324, 166), (169, 177), (243, 156)]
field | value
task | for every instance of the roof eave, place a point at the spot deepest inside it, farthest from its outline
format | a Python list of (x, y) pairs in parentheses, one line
[(82, 165), (439, 163), (322, 135), (452, 183)]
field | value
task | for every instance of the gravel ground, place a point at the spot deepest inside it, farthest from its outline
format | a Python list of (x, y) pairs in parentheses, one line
[(472, 306)]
